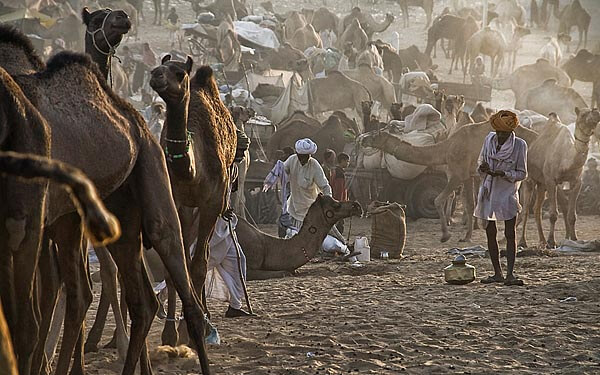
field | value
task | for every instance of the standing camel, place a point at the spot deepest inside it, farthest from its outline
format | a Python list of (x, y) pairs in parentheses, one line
[(585, 67), (574, 15), (459, 153), (367, 22), (199, 142), (557, 157), (135, 174), (427, 6), (486, 42)]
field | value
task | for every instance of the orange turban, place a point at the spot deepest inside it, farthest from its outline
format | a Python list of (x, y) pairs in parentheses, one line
[(504, 121)]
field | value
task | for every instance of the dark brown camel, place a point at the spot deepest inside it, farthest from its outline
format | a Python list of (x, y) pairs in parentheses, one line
[(574, 15), (585, 67), (199, 141), (367, 22), (427, 6), (270, 257), (392, 63), (415, 60), (283, 58), (136, 177)]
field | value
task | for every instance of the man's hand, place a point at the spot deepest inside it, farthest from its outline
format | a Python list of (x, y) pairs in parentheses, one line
[(497, 173), (484, 168), (228, 214)]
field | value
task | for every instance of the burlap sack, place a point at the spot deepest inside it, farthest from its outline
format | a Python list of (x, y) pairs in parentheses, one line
[(388, 229)]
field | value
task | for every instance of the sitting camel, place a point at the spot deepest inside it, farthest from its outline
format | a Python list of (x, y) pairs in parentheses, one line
[(459, 153), (528, 76), (550, 97), (415, 60), (574, 15), (557, 157), (585, 67), (282, 58), (271, 257)]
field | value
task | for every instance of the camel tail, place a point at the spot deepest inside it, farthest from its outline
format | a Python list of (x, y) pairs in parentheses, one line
[(101, 226)]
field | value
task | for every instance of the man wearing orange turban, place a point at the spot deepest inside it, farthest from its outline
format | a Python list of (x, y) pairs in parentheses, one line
[(502, 166)]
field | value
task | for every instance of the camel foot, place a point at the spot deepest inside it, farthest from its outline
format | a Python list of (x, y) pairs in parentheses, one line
[(465, 239), (551, 244), (522, 245), (169, 336), (90, 348), (445, 237)]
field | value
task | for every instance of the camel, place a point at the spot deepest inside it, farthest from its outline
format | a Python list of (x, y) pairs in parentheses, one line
[(571, 15), (452, 113), (370, 57), (306, 37), (135, 166), (8, 362), (294, 21), (236, 9), (355, 35), (427, 6), (200, 141), (557, 157), (552, 51), (486, 42), (323, 19), (514, 44), (415, 60), (453, 28), (379, 87), (528, 76), (367, 22), (351, 93), (459, 153), (330, 136), (271, 257), (585, 67), (392, 64), (284, 57), (229, 50), (550, 97), (511, 9)]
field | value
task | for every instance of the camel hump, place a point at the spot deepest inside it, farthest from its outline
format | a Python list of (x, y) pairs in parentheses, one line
[(542, 60), (549, 82), (67, 58), (11, 35), (203, 75)]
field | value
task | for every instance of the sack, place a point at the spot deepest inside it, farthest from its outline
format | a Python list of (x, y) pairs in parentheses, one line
[(388, 229)]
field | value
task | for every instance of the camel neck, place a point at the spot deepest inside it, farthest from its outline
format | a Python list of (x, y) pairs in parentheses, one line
[(176, 124), (97, 56)]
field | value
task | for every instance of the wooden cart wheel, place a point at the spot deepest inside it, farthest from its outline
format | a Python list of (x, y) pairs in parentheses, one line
[(422, 193)]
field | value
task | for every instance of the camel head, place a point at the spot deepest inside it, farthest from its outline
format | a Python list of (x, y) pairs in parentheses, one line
[(171, 79), (587, 121), (396, 111), (241, 114), (389, 17), (105, 28), (333, 211), (454, 104)]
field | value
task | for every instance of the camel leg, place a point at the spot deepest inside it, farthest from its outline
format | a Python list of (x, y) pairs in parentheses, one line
[(537, 210), (169, 334), (55, 330), (440, 201), (572, 209), (563, 204), (122, 305), (108, 270), (95, 333), (67, 233), (264, 275), (551, 187), (527, 192), (49, 284), (161, 226), (469, 205)]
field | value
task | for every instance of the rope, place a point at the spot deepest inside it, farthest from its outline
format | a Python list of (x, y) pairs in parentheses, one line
[(239, 263)]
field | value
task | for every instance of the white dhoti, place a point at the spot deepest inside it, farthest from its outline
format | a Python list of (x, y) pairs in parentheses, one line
[(223, 280)]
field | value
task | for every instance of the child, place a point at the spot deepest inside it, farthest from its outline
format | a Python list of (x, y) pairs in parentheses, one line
[(338, 183)]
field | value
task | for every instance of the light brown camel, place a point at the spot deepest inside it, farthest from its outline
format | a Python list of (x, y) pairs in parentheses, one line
[(355, 35), (452, 108), (367, 22), (270, 257), (557, 157), (136, 163), (459, 153), (200, 141), (229, 50), (294, 21), (528, 76), (427, 6), (330, 136), (486, 42), (351, 93), (511, 9), (323, 19), (305, 37), (550, 97), (585, 67), (379, 87), (445, 27), (571, 15)]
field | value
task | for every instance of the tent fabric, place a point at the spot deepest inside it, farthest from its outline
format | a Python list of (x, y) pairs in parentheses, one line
[(28, 4), (20, 14), (279, 78), (294, 98), (259, 36)]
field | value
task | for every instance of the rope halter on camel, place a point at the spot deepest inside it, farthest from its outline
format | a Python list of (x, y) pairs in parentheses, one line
[(111, 49)]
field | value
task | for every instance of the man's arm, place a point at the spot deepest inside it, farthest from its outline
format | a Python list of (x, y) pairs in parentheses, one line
[(321, 180), (520, 171)]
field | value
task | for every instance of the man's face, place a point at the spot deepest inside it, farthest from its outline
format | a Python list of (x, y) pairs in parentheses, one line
[(503, 136), (344, 163), (303, 158)]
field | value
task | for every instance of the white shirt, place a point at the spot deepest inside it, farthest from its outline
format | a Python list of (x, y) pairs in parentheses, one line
[(305, 183)]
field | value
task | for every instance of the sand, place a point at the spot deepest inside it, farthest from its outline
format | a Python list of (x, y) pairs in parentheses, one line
[(398, 315)]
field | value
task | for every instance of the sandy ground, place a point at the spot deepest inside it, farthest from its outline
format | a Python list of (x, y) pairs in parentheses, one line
[(399, 315)]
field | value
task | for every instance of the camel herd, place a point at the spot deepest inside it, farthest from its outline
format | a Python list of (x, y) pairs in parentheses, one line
[(65, 109)]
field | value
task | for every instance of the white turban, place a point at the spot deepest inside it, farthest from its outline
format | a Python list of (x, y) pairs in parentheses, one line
[(306, 146)]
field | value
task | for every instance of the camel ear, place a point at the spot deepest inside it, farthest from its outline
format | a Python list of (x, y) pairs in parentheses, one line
[(577, 111), (86, 16), (165, 59), (188, 64)]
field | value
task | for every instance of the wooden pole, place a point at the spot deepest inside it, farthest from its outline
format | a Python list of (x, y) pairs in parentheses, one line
[(485, 14)]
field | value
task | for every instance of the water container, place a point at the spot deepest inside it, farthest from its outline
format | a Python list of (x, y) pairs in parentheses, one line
[(362, 244)]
